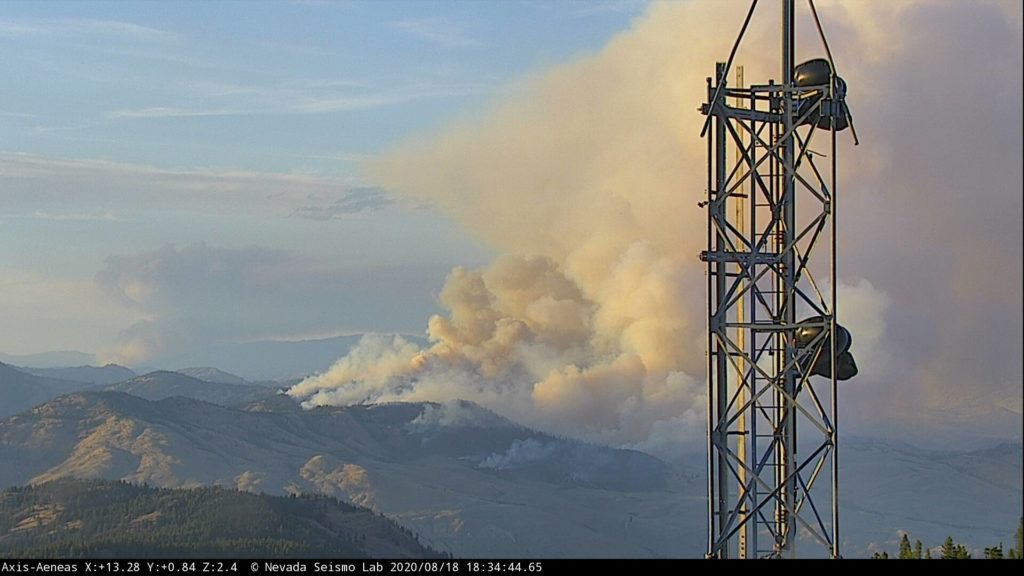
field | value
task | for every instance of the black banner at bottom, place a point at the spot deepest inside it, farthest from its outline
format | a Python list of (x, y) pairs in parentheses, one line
[(250, 566)]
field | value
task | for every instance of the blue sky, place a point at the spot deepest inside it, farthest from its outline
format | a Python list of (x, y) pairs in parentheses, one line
[(129, 126), (284, 86)]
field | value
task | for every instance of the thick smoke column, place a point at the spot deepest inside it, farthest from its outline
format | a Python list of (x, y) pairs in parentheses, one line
[(586, 180)]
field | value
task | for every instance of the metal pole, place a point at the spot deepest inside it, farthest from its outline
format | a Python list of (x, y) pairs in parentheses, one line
[(788, 441), (741, 396), (710, 361), (833, 278), (721, 361), (752, 412)]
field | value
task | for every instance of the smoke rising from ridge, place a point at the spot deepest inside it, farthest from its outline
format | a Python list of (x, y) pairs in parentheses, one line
[(585, 179)]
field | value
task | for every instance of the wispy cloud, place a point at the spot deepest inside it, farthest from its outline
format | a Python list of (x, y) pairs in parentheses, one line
[(355, 201), (106, 216), (8, 114), (593, 7), (111, 28), (392, 97), (81, 27), (313, 97), (36, 185), (165, 112), (442, 30), (342, 157), (13, 28), (320, 2)]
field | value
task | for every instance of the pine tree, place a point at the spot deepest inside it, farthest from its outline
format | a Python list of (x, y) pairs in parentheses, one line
[(948, 551), (928, 554), (1017, 552), (994, 553), (906, 552), (883, 555), (917, 550)]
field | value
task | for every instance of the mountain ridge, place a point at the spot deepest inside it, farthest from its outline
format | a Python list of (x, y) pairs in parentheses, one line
[(479, 485), (69, 518), (99, 375), (464, 478), (161, 384), (20, 390)]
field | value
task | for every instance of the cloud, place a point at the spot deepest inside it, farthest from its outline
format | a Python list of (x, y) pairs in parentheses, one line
[(586, 179), (188, 297), (59, 185), (18, 115), (163, 112), (442, 30), (67, 217), (296, 97), (354, 201), (365, 99), (82, 27), (596, 7)]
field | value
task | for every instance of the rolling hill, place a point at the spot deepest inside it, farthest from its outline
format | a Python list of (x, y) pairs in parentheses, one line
[(474, 484), (50, 359), (20, 391), (107, 374), (162, 384), (103, 519), (210, 374), (468, 481)]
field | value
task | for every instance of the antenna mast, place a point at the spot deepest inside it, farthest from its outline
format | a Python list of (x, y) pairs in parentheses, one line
[(764, 478)]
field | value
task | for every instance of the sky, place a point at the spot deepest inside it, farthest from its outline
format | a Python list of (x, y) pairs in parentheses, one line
[(517, 180), (232, 134)]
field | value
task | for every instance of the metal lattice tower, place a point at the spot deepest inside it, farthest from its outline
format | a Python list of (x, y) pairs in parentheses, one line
[(767, 483)]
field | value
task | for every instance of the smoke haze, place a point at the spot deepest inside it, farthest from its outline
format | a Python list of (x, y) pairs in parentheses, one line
[(586, 180)]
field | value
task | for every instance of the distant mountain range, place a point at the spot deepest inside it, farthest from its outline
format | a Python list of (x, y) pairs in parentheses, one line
[(108, 374), (53, 359), (20, 391), (262, 360), (23, 388), (465, 479), (101, 519), (887, 487), (209, 374), (162, 384), (271, 359)]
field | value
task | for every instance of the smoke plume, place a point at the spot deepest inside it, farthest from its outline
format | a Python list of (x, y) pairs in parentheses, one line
[(590, 324), (586, 180)]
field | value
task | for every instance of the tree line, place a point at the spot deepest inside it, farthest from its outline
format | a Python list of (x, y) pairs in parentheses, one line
[(95, 518), (950, 550)]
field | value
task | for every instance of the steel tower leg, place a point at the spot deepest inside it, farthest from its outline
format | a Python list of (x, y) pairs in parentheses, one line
[(761, 487), (787, 443)]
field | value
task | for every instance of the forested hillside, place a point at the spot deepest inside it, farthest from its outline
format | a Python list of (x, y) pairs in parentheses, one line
[(94, 518)]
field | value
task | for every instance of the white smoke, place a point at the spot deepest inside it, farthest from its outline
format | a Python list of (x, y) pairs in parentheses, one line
[(590, 324), (519, 453), (586, 179), (520, 338)]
